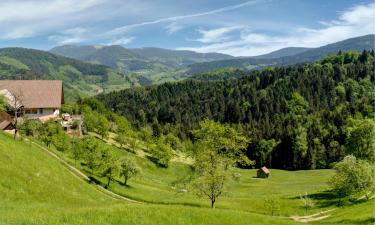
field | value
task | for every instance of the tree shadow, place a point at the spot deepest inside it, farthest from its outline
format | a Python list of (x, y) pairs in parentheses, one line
[(363, 221), (155, 161), (323, 199)]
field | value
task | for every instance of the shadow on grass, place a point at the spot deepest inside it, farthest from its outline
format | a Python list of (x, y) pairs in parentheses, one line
[(155, 160), (323, 199), (363, 221)]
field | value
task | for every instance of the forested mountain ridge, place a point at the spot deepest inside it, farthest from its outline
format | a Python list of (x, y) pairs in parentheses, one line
[(289, 51), (304, 111), (80, 78), (147, 65), (358, 44)]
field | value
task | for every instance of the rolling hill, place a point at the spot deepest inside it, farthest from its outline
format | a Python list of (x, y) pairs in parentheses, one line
[(287, 56), (283, 52), (80, 78), (147, 65)]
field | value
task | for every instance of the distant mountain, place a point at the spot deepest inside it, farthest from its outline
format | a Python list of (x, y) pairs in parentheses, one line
[(310, 55), (80, 78), (144, 65), (178, 57), (283, 52)]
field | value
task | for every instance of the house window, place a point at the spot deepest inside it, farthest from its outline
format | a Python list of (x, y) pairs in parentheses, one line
[(31, 111), (41, 111)]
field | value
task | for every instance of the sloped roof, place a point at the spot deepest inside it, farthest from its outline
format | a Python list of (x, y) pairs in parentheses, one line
[(265, 170), (36, 93)]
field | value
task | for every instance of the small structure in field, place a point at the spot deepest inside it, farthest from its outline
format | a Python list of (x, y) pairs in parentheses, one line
[(6, 122), (263, 172)]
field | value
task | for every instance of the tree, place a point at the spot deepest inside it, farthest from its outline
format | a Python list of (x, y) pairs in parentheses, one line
[(50, 129), (76, 150), (89, 119), (360, 139), (264, 151), (109, 166), (128, 169), (102, 126), (61, 141), (91, 153), (219, 147), (272, 204), (161, 152), (32, 127), (352, 176), (147, 136), (15, 105), (307, 202)]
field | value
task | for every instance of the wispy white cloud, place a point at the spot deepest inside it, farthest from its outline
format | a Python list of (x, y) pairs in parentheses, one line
[(121, 41), (125, 28), (23, 18), (70, 36), (216, 35), (352, 22), (173, 28)]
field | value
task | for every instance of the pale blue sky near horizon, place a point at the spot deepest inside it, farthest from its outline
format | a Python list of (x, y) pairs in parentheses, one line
[(236, 27)]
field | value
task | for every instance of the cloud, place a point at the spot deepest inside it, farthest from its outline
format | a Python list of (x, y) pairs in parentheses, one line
[(21, 19), (121, 41), (216, 35), (70, 36), (173, 28), (353, 22), (123, 29)]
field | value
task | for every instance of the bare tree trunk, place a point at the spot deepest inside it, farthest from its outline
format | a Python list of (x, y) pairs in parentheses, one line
[(15, 124)]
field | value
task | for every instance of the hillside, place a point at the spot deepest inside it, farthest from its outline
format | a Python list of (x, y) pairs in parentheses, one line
[(80, 78), (147, 65), (358, 43), (289, 51), (262, 104), (37, 189)]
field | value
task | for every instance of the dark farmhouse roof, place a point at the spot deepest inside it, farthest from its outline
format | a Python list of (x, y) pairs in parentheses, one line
[(36, 93)]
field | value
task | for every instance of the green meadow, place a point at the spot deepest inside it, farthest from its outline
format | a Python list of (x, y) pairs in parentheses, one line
[(35, 188)]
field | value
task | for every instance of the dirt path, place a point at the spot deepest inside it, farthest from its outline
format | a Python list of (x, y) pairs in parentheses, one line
[(313, 217), (78, 174)]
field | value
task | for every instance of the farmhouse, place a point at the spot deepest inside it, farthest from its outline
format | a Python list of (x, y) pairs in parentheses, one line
[(263, 172), (40, 99)]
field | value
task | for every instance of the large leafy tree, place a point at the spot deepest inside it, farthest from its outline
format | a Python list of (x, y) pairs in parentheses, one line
[(360, 139), (352, 176), (218, 148), (128, 169)]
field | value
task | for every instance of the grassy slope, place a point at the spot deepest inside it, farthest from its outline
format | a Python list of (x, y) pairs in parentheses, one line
[(248, 195), (36, 189)]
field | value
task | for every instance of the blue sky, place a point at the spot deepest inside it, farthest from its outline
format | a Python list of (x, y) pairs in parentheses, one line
[(237, 27)]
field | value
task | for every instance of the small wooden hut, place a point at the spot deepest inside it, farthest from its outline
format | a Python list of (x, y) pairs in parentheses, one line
[(263, 172)]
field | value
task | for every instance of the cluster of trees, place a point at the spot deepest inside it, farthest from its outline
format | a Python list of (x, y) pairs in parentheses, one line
[(298, 117), (89, 151)]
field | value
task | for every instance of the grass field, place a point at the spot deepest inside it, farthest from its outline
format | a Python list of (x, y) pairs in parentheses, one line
[(36, 189)]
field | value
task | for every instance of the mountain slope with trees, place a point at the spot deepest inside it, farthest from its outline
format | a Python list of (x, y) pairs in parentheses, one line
[(80, 78), (358, 44), (298, 117)]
